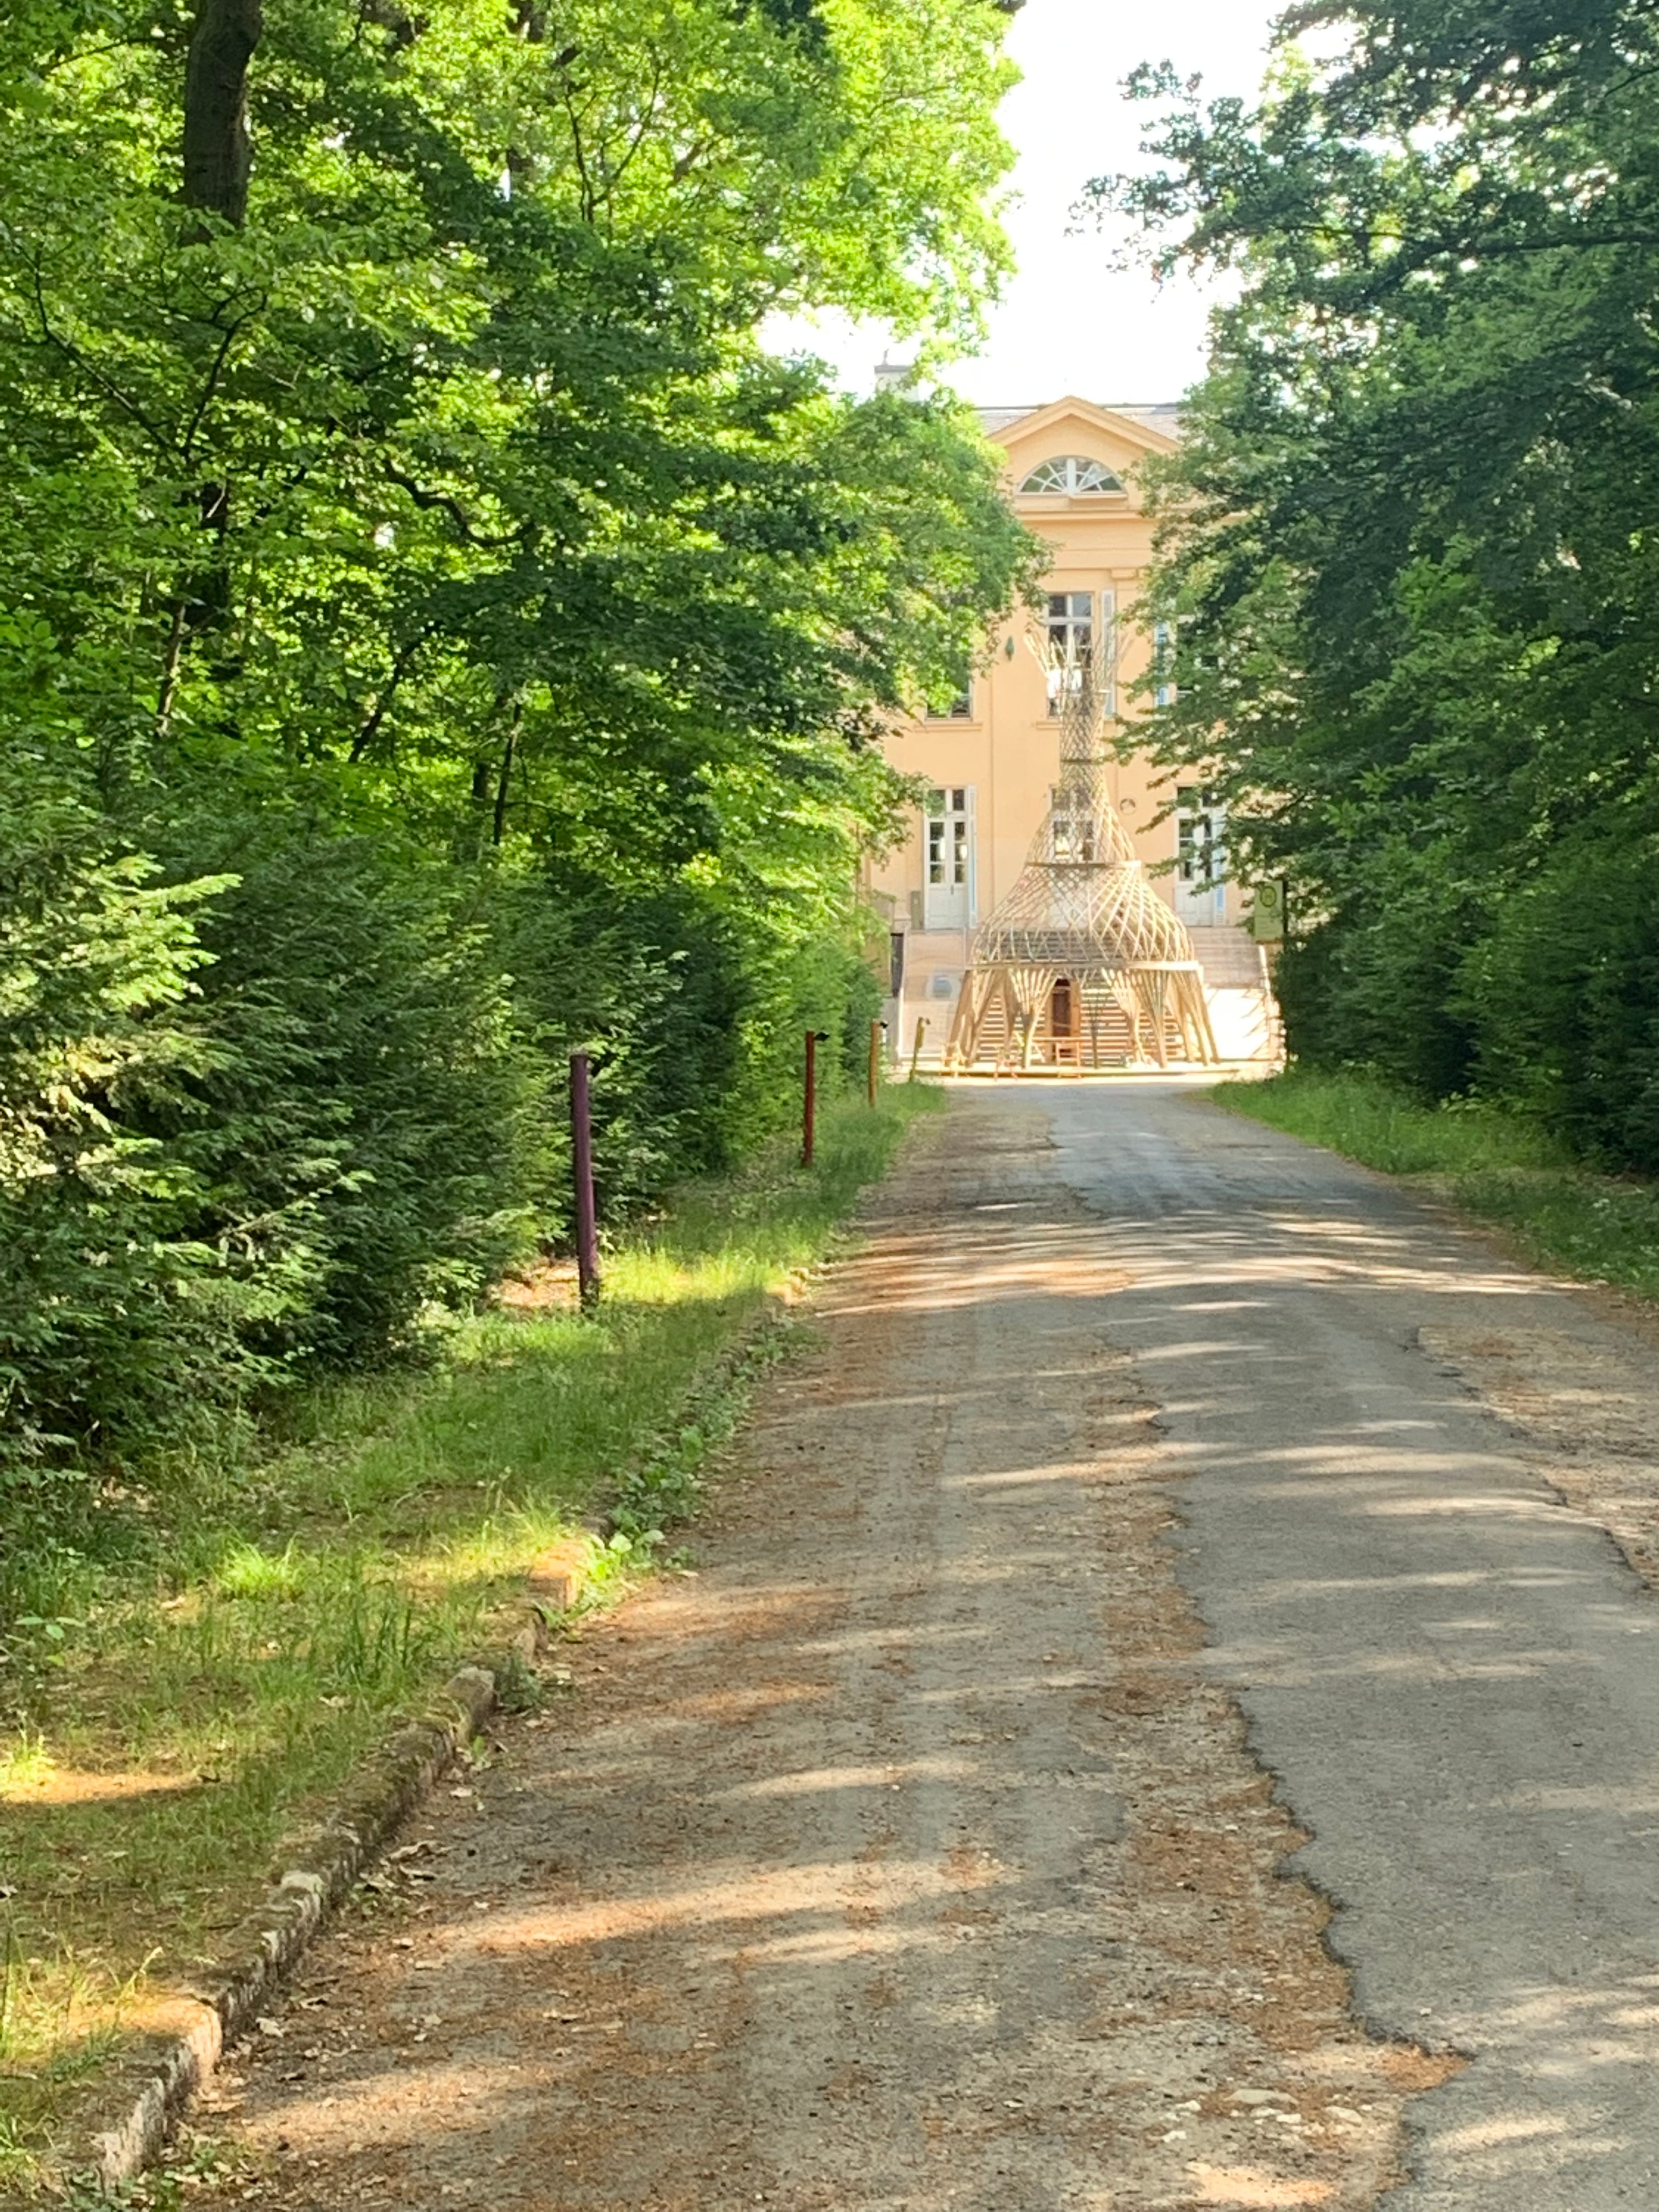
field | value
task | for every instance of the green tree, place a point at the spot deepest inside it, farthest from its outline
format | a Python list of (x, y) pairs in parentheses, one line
[(1409, 541), (416, 552)]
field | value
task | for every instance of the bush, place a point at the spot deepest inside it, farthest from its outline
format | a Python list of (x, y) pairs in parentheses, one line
[(114, 1316), (653, 984), (366, 1138), (1565, 996), (256, 1119), (1377, 985)]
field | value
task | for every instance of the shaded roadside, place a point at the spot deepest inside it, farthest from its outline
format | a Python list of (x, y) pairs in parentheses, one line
[(218, 1683)]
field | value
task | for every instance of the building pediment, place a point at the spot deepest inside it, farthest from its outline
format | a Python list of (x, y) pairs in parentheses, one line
[(1077, 432), (1144, 430)]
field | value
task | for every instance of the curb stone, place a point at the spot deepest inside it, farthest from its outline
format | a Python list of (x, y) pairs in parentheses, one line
[(119, 2134)]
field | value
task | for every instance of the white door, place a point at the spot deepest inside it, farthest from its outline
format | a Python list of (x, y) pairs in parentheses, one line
[(948, 859), (1201, 858)]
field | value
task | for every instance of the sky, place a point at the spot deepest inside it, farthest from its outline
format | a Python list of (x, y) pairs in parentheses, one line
[(1068, 322)]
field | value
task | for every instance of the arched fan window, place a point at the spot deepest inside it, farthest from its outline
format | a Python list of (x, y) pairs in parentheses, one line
[(1071, 472)]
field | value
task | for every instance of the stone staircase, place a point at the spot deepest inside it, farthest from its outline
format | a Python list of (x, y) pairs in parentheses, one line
[(1230, 958), (1243, 1011)]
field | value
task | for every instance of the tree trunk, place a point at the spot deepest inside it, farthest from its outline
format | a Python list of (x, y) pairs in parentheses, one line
[(218, 155), (218, 152), (504, 780)]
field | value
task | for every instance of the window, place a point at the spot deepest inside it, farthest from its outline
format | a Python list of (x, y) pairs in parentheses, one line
[(1200, 855), (1072, 624), (958, 708), (1071, 473), (1198, 831), (948, 859), (1070, 643), (1164, 690), (1074, 827), (1073, 641)]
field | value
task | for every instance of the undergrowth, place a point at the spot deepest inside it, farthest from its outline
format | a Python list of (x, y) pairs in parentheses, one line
[(1557, 1213), (174, 1710)]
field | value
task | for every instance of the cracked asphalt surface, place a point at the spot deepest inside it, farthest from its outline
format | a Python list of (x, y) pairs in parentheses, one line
[(1450, 1669), (1159, 1721)]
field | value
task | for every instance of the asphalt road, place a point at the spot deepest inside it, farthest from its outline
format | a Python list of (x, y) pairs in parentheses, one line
[(1453, 1676), (909, 1857), (898, 1860)]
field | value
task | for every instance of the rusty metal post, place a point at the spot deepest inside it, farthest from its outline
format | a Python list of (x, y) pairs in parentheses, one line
[(809, 1114), (878, 1031), (915, 1052), (587, 1229)]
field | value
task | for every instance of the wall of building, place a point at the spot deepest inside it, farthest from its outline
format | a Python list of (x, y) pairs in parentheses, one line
[(1004, 753)]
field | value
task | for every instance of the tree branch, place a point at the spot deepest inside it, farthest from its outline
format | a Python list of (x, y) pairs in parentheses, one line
[(71, 352), (451, 507), (215, 371), (503, 782), (371, 727)]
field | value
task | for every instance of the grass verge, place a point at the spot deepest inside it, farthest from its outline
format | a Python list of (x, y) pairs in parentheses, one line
[(1557, 1213), (172, 1719)]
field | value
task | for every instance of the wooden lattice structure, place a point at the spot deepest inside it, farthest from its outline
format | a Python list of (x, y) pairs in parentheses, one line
[(1082, 966)]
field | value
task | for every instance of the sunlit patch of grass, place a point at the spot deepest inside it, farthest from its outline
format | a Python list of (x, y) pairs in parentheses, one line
[(247, 1572), (61, 2016), (290, 1604), (1498, 1166), (18, 2163), (24, 1764)]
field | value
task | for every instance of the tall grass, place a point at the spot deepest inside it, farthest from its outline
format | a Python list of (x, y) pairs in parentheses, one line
[(1387, 1128), (1559, 1213), (174, 1717)]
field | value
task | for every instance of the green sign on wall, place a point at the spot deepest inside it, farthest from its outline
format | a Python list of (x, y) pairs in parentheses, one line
[(1268, 914)]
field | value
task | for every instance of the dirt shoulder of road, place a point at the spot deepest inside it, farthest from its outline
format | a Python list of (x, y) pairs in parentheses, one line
[(1580, 1396)]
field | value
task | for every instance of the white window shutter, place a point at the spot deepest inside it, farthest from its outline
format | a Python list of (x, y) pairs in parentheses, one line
[(948, 857)]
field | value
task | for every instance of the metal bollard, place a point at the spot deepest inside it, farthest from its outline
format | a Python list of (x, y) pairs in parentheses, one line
[(810, 1102), (587, 1229)]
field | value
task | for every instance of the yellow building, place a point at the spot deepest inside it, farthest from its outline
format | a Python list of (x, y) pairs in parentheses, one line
[(993, 755)]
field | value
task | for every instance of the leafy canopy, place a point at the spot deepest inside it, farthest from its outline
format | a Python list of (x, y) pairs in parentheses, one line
[(437, 633), (1409, 543)]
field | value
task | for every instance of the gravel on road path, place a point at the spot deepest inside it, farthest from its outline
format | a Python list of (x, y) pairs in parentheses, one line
[(901, 1857)]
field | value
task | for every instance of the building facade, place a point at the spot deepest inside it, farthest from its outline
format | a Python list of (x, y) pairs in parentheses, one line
[(991, 755)]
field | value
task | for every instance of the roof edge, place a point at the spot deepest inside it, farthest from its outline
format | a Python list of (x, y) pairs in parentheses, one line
[(1155, 426)]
